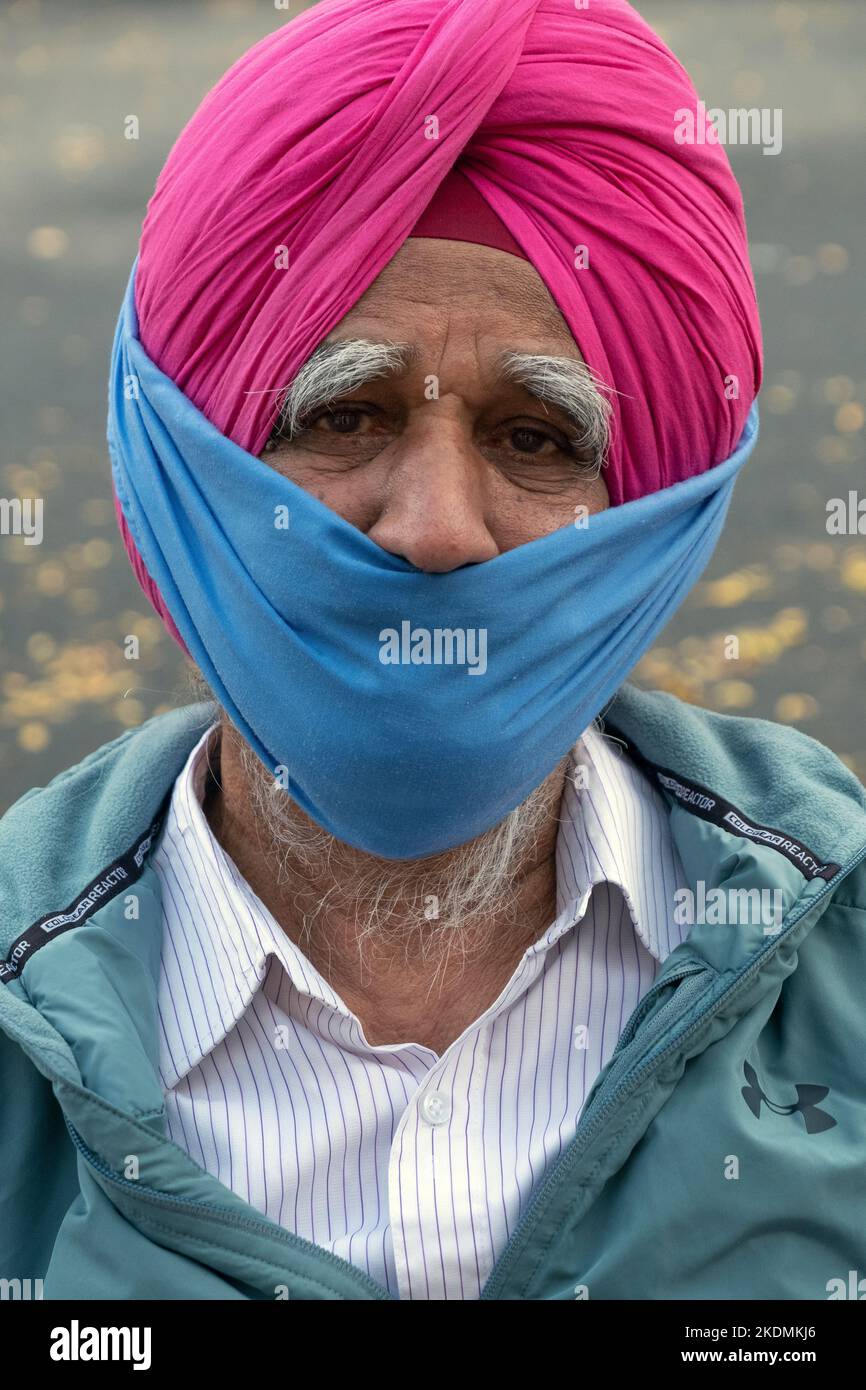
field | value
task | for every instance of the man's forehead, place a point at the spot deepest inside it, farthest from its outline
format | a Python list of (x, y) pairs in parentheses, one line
[(401, 357), (438, 272)]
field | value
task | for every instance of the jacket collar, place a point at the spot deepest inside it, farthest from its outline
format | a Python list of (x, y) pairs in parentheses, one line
[(778, 778)]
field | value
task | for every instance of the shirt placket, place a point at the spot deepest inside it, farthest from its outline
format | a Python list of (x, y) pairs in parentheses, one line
[(438, 1184)]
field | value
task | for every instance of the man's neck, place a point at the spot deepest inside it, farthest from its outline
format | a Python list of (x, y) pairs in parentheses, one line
[(405, 980)]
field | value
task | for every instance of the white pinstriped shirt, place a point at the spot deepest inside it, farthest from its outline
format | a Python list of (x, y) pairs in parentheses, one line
[(411, 1165)]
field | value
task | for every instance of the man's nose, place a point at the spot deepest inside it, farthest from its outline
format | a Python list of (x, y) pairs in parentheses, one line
[(434, 506)]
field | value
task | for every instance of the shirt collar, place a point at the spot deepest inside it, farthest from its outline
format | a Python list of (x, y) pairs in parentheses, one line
[(613, 829), (242, 940)]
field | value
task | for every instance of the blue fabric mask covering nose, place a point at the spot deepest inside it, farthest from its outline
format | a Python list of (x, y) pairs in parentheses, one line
[(331, 655)]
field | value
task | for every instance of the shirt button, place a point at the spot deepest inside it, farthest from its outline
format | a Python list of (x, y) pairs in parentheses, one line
[(435, 1107)]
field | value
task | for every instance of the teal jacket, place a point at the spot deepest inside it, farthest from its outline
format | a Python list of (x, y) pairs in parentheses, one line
[(721, 1152)]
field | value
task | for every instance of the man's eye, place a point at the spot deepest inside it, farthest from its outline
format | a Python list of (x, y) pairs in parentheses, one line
[(548, 443), (530, 441), (337, 419)]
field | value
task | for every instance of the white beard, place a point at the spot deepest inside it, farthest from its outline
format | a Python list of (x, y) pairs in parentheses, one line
[(452, 903)]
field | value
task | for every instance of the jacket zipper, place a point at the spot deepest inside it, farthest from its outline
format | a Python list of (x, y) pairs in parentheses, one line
[(691, 968), (635, 1021), (293, 1241), (589, 1124)]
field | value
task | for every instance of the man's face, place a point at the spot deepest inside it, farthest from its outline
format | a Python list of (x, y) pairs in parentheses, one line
[(435, 447)]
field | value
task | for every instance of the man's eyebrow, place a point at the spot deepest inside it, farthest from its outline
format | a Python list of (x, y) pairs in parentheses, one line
[(573, 388), (335, 369)]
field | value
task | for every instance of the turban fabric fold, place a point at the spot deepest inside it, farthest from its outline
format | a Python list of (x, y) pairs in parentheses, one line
[(311, 161)]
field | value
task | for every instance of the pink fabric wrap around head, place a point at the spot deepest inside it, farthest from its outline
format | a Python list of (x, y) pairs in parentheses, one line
[(322, 149)]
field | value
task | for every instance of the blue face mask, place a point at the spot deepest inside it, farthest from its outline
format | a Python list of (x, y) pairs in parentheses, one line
[(405, 712)]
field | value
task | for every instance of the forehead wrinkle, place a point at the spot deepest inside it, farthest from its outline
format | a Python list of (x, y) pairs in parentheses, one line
[(424, 268), (534, 300)]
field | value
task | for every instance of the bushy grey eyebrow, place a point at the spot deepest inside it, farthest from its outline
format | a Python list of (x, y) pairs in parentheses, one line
[(336, 369)]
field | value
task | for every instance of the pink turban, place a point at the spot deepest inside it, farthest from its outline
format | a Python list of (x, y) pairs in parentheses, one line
[(310, 162)]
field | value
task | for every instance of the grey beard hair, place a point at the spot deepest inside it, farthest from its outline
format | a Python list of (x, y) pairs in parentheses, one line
[(452, 904)]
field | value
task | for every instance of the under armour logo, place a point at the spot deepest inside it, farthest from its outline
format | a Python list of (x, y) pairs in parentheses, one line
[(806, 1103)]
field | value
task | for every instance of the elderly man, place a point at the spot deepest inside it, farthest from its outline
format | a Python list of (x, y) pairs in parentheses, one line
[(426, 959)]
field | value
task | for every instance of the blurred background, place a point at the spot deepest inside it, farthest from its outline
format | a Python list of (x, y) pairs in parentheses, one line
[(74, 196)]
